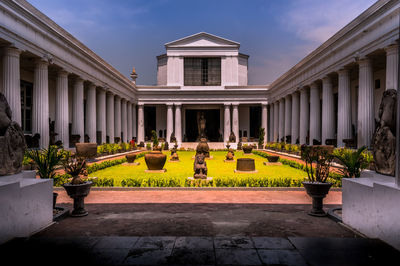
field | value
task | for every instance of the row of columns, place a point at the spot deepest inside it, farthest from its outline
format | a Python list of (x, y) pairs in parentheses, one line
[(108, 114), (300, 113)]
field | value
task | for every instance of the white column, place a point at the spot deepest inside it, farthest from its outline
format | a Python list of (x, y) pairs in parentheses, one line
[(276, 121), (117, 116), (344, 107), (110, 117), (281, 119), (392, 67), (366, 121), (315, 114), (40, 106), (90, 122), (178, 123), (304, 115), (10, 85), (140, 133), (61, 123), (288, 116), (264, 120), (271, 123), (129, 114), (134, 120), (170, 121), (227, 121), (295, 117), (101, 114), (235, 120), (124, 120), (328, 110), (78, 126)]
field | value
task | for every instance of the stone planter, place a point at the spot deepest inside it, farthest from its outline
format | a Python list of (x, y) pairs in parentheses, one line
[(245, 165), (130, 157), (86, 150), (155, 160), (78, 193), (272, 158), (55, 195), (317, 191), (247, 149)]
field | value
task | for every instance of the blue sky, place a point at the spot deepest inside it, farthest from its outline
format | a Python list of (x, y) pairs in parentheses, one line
[(131, 33)]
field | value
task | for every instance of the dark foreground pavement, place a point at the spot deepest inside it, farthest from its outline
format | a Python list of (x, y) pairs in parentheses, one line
[(197, 234)]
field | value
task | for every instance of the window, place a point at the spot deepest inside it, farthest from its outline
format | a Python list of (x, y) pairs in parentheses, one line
[(26, 106), (202, 71)]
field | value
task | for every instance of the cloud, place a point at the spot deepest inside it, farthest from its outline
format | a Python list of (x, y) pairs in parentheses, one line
[(316, 21)]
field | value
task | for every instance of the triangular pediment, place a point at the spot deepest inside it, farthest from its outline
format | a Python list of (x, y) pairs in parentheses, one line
[(202, 39)]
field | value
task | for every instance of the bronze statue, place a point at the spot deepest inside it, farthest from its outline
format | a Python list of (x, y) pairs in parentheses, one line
[(12, 141), (200, 167), (384, 140)]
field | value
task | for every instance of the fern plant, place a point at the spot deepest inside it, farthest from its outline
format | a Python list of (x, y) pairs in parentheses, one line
[(46, 160), (354, 161)]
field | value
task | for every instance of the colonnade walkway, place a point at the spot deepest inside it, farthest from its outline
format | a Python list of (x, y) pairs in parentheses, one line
[(198, 227)]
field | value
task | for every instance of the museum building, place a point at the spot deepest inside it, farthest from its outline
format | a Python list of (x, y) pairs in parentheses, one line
[(59, 90)]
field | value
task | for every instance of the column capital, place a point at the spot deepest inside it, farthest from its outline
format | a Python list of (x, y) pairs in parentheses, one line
[(62, 73), (123, 100), (179, 105), (392, 49), (169, 104), (140, 104), (264, 104), (326, 80), (11, 51), (314, 85), (235, 104), (41, 62), (227, 104), (343, 71), (92, 86), (364, 61), (287, 97)]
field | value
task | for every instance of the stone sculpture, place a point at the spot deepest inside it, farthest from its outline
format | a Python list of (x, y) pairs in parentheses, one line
[(232, 138), (229, 155), (200, 167), (12, 141), (384, 140), (202, 148), (201, 125)]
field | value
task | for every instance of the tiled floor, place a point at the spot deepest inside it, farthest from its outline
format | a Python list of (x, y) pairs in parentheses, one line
[(219, 250)]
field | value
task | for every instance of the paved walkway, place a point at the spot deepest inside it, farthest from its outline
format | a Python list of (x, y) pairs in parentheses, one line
[(245, 196), (224, 250)]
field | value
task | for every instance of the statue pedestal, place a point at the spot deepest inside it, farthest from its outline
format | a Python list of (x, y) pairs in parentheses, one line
[(131, 164), (268, 163), (245, 172), (156, 171), (191, 178), (229, 161), (26, 205)]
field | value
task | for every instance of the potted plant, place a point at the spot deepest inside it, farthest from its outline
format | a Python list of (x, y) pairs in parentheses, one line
[(272, 158), (155, 141), (353, 161), (247, 148), (317, 186), (46, 161), (79, 187), (261, 135)]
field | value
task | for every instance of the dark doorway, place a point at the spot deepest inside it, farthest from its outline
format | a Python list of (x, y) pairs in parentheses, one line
[(212, 124), (149, 121), (255, 121)]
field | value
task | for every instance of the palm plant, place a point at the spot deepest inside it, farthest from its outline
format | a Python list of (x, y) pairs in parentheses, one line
[(261, 135), (155, 139), (46, 160), (322, 157), (354, 161)]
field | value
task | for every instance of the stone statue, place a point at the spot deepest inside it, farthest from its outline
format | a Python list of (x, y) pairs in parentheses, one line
[(384, 140), (201, 125), (232, 138), (12, 141), (229, 155), (172, 138), (202, 148), (200, 167)]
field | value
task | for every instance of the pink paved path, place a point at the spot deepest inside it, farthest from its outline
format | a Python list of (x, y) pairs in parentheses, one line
[(201, 196)]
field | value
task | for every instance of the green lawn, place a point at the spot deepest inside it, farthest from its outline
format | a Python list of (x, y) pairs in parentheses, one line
[(223, 173)]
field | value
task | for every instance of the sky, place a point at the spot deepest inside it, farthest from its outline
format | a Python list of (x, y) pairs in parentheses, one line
[(276, 34)]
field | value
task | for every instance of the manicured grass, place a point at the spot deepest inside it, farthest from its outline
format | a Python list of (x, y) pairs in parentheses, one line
[(223, 173)]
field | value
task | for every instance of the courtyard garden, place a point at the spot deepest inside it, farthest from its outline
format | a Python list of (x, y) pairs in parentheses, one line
[(118, 173)]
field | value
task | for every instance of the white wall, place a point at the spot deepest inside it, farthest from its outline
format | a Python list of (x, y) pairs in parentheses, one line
[(162, 70), (243, 71)]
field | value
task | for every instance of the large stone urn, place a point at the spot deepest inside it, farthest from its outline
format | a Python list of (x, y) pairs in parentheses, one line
[(78, 193), (155, 160), (130, 158), (86, 150), (317, 191), (273, 158), (247, 149)]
